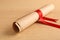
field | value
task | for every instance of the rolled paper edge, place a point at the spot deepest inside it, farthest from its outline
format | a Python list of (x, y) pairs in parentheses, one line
[(16, 27)]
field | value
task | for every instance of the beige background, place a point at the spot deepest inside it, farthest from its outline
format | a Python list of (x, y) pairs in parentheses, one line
[(10, 10)]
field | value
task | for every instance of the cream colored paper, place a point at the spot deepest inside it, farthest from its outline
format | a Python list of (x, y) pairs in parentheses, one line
[(29, 19)]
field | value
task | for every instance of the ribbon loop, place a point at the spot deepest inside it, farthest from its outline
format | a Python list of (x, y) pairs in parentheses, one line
[(42, 20)]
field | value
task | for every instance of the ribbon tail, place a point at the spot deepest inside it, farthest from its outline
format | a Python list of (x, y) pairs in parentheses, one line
[(49, 23), (50, 19)]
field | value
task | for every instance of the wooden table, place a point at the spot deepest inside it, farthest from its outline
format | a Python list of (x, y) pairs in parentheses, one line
[(10, 10)]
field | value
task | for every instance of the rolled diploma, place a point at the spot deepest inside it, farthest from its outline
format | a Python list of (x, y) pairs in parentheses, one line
[(27, 20)]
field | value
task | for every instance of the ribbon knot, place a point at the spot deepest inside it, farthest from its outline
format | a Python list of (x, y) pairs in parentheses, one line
[(46, 20)]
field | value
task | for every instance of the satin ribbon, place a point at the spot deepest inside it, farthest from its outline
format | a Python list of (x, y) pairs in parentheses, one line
[(46, 20)]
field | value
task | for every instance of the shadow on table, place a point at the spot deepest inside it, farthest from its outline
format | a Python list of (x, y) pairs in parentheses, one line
[(10, 31)]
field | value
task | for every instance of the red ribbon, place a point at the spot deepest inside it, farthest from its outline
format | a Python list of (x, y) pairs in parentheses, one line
[(46, 20)]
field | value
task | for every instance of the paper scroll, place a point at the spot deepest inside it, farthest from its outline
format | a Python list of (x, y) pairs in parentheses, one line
[(28, 20)]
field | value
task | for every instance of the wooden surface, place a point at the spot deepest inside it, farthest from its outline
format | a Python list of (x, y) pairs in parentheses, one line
[(10, 10)]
